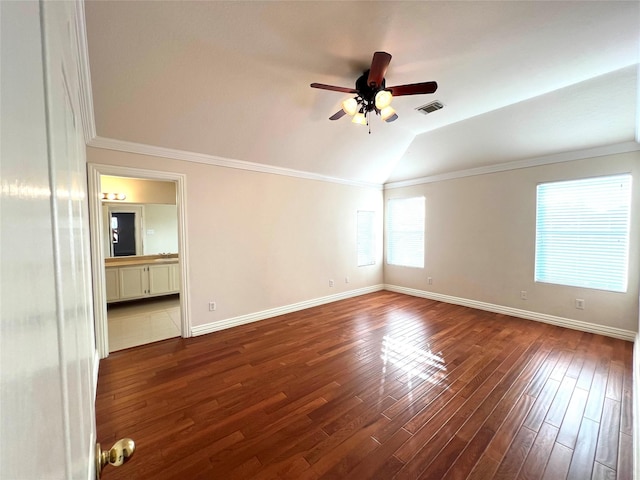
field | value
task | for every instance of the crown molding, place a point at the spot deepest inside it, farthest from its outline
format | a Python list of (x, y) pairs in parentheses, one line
[(84, 73), (142, 149), (92, 140), (530, 162)]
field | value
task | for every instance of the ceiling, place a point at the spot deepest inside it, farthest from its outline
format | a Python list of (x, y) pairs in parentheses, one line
[(519, 80)]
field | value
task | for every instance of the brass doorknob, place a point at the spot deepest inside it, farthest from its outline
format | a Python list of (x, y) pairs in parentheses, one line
[(120, 453)]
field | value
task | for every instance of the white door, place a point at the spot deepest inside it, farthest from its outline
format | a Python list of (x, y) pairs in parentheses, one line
[(48, 358)]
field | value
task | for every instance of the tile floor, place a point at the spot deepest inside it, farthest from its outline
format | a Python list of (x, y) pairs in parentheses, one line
[(143, 321)]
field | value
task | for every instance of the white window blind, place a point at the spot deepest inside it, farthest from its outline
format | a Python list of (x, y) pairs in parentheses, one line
[(582, 232), (405, 231), (366, 238)]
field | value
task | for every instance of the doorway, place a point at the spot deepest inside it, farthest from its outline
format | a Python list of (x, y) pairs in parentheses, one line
[(100, 223)]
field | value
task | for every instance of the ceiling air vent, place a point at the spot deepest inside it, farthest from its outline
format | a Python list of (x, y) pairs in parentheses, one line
[(430, 107)]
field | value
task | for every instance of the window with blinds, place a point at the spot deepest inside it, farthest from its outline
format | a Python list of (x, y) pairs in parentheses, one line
[(405, 231), (366, 238), (582, 232)]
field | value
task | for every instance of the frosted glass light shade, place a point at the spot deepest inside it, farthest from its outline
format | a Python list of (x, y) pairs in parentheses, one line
[(350, 106), (387, 112), (359, 118), (383, 99), (113, 196)]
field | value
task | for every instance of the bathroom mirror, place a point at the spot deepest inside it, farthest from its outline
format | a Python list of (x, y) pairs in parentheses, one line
[(139, 229)]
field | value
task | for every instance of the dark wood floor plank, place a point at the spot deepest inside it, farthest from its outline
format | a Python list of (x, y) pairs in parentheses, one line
[(573, 418), (607, 447), (541, 406), (350, 454), (498, 447), (601, 472), (573, 371), (626, 415), (560, 402), (615, 381), (360, 421), (564, 360), (625, 457), (372, 465), (515, 456), (542, 375), (477, 445), (485, 468), (379, 386), (445, 458), (559, 462), (583, 455), (294, 469), (586, 373), (536, 462), (469, 456), (598, 390)]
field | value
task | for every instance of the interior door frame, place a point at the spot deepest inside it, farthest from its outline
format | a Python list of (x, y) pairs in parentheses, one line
[(96, 221)]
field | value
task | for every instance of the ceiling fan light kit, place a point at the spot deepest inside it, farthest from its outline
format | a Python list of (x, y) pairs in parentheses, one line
[(383, 99), (350, 106), (372, 94), (359, 119), (386, 113)]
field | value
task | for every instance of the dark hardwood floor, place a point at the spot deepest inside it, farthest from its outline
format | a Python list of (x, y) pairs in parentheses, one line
[(380, 386)]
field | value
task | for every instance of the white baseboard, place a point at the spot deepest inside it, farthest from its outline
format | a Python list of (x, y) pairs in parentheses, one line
[(274, 312), (516, 312)]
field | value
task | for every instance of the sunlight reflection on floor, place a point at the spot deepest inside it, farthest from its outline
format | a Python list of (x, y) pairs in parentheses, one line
[(416, 362)]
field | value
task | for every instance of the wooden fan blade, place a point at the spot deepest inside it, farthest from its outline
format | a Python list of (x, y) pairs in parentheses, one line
[(413, 89), (333, 88), (378, 69), (339, 114), (392, 118)]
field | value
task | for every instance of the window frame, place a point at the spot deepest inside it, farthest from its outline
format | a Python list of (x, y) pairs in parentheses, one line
[(370, 238), (393, 257), (572, 234)]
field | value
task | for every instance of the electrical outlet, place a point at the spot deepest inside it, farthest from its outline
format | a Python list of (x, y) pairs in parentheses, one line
[(346, 279), (523, 294), (212, 306), (430, 281), (580, 303), (331, 283)]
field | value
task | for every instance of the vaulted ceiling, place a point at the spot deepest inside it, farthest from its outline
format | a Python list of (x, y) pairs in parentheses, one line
[(519, 80)]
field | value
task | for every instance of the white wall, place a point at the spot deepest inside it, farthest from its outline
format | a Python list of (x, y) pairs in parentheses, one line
[(259, 241), (140, 190), (480, 243)]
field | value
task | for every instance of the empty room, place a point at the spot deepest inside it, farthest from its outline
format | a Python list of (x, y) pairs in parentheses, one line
[(312, 240)]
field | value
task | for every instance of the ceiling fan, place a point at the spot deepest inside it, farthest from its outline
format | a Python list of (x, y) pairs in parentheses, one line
[(372, 94)]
